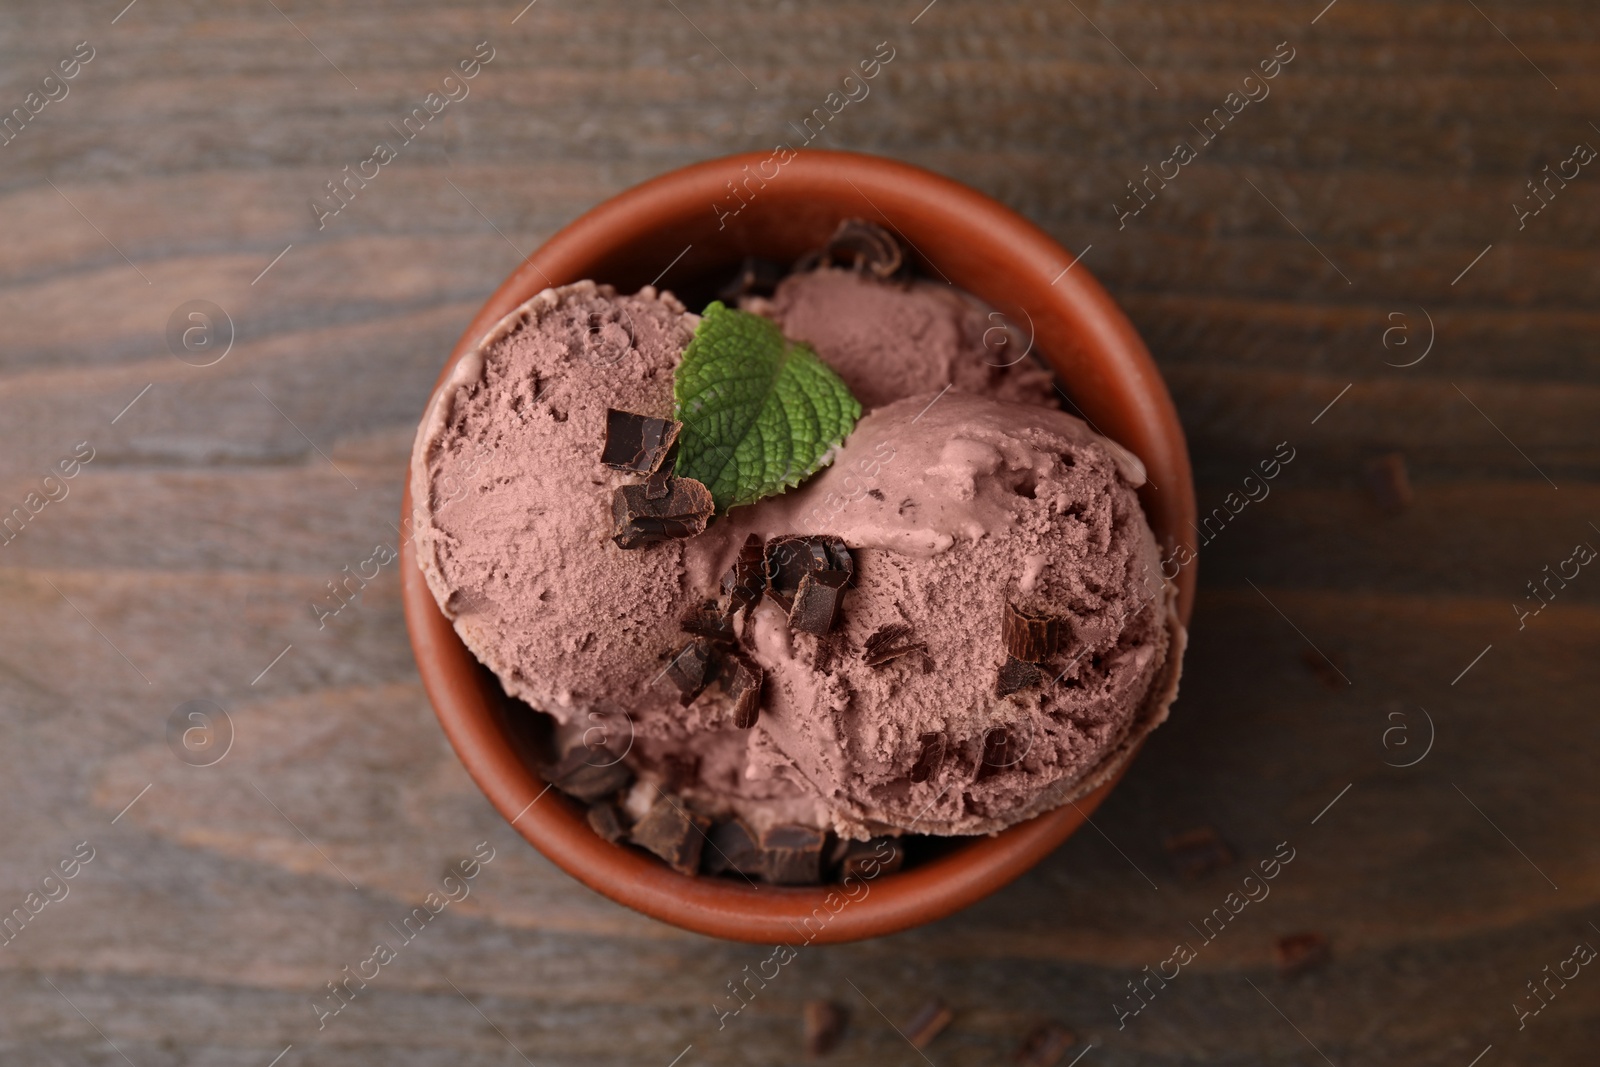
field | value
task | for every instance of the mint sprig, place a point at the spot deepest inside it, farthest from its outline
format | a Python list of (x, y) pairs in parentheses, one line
[(760, 413)]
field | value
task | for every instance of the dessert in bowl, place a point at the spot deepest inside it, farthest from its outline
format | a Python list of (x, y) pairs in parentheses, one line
[(818, 584)]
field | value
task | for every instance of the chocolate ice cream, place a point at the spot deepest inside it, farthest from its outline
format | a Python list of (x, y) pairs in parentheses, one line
[(994, 639)]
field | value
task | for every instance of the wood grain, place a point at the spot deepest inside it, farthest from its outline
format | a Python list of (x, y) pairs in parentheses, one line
[(183, 562)]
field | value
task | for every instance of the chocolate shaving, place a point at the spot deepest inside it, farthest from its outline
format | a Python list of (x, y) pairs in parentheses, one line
[(693, 668), (587, 774), (1044, 1046), (1029, 636), (732, 849), (1197, 852), (829, 651), (1016, 676), (792, 855), (998, 753), (930, 758), (889, 643), (673, 834), (640, 520), (865, 859), (927, 1024), (1299, 953), (638, 443), (824, 1025), (709, 622), (746, 580), (788, 559), (816, 603), (605, 820), (742, 679), (860, 245)]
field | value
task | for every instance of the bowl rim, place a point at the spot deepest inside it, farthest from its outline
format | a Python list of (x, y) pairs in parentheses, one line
[(1047, 279)]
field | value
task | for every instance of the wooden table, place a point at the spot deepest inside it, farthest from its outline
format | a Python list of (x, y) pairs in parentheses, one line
[(1366, 202)]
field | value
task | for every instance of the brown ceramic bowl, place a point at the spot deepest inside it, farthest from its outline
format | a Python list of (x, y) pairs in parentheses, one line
[(678, 228)]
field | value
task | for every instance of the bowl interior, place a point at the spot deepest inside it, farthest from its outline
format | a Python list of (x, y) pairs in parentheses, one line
[(685, 231)]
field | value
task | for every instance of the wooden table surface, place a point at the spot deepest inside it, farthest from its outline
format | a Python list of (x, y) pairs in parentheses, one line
[(1341, 268)]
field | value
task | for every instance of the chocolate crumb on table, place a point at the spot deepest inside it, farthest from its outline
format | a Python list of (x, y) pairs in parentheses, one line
[(824, 1023), (1389, 483), (1328, 669), (1044, 1046), (1299, 953), (928, 1023), (1197, 852)]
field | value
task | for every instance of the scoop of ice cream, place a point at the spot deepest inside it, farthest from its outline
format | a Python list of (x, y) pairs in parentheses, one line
[(513, 506), (890, 340), (954, 505)]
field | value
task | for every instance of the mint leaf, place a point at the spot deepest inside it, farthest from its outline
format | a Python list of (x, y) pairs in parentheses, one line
[(759, 411)]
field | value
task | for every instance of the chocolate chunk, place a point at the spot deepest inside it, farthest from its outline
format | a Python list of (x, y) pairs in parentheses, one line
[(638, 520), (1044, 1046), (605, 820), (1029, 636), (824, 1025), (999, 752), (693, 668), (746, 580), (1390, 486), (1299, 953), (742, 679), (927, 1024), (889, 643), (862, 246), (587, 774), (1197, 852), (869, 859), (1016, 676), (637, 442), (659, 485), (732, 849), (709, 622), (673, 834), (788, 559), (930, 758), (816, 603), (792, 855)]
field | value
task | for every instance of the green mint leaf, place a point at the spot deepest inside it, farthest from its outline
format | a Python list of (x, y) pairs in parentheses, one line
[(759, 412)]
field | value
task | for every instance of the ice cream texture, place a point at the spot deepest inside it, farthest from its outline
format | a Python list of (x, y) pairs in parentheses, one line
[(953, 501)]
